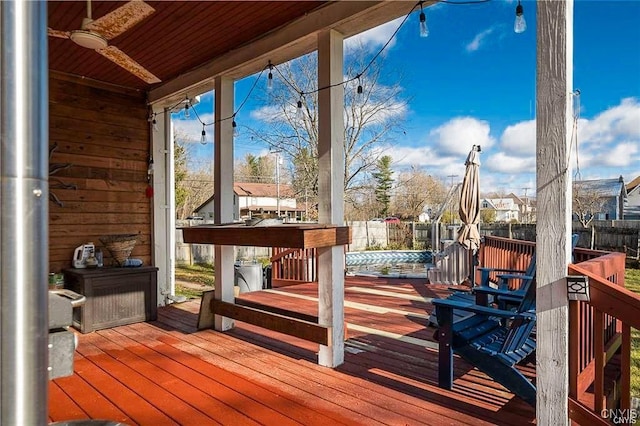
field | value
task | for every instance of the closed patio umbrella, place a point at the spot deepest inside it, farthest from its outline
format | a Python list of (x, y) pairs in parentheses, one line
[(469, 211)]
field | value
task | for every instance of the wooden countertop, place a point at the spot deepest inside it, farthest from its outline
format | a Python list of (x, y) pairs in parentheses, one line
[(285, 235)]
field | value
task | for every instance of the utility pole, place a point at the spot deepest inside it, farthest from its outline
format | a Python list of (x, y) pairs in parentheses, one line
[(451, 205), (278, 163), (526, 206)]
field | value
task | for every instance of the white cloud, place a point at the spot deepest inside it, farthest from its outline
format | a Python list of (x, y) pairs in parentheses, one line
[(620, 121), (479, 40), (622, 155), (269, 113), (520, 138), (375, 37), (504, 163), (190, 130), (459, 134)]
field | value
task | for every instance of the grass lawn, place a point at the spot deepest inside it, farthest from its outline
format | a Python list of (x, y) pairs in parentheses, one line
[(199, 278), (632, 282)]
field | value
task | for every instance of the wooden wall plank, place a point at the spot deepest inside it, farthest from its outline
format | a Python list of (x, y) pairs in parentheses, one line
[(103, 133)]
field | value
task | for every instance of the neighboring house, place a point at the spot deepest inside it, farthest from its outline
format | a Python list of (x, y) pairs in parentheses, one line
[(506, 209), (612, 192), (632, 205), (525, 206), (252, 199)]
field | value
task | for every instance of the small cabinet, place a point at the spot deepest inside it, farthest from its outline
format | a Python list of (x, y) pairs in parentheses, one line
[(115, 296)]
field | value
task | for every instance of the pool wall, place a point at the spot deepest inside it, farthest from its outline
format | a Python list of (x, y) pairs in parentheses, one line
[(388, 256)]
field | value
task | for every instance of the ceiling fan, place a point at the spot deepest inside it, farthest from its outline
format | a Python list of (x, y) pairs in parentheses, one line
[(96, 34)]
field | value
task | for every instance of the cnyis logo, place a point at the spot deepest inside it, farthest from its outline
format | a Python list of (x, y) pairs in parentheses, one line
[(617, 416)]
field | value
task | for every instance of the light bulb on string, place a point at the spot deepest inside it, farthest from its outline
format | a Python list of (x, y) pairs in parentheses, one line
[(270, 78), (234, 125), (186, 110), (203, 138), (424, 30), (520, 24), (154, 123), (299, 110), (359, 90)]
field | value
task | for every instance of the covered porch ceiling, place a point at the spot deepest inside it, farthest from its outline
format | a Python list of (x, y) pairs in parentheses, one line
[(186, 44)]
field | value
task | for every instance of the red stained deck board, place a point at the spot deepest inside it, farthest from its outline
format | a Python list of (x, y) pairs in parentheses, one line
[(92, 401), (391, 382), (258, 402), (161, 400), (232, 360), (134, 406), (180, 381), (61, 406)]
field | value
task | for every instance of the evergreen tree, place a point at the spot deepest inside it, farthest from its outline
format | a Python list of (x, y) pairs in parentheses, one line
[(384, 182)]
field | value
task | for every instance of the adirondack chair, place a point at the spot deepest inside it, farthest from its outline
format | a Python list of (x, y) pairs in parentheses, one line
[(493, 340), (484, 294)]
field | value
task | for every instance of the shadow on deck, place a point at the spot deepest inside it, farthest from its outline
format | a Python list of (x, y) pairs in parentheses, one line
[(166, 372)]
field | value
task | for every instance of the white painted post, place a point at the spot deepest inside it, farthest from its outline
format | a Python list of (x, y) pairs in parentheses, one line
[(331, 192), (164, 211), (553, 241), (223, 193)]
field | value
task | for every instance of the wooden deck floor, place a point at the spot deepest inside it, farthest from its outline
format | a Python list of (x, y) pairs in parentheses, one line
[(166, 372)]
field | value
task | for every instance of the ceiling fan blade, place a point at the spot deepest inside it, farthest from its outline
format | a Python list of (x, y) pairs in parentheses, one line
[(122, 59), (58, 33), (120, 20)]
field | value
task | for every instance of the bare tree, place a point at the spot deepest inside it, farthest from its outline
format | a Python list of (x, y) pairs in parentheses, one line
[(192, 187), (587, 203), (258, 169), (416, 190), (370, 119)]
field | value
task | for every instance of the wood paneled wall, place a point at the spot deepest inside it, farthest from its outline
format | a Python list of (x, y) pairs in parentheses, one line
[(103, 133)]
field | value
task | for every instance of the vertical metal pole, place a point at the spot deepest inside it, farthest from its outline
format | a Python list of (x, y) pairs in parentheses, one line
[(24, 255)]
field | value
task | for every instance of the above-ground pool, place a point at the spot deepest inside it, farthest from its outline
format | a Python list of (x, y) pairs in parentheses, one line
[(389, 263)]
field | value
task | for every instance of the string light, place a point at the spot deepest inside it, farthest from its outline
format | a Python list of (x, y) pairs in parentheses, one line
[(203, 138), (424, 30), (520, 24), (234, 126), (270, 78), (299, 109), (186, 109)]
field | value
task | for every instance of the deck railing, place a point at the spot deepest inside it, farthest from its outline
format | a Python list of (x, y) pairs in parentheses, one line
[(599, 337), (505, 253), (599, 330), (293, 266)]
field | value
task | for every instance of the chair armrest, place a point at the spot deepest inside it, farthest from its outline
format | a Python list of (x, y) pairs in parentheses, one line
[(504, 278), (482, 310), (497, 292), (512, 271)]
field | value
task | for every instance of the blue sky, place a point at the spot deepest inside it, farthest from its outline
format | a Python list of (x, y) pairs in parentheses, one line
[(472, 81)]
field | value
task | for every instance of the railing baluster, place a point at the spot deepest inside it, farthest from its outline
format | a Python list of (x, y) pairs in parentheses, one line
[(625, 366), (598, 385)]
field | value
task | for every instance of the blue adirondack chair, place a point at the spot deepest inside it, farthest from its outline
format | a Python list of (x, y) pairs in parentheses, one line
[(493, 340), (484, 294)]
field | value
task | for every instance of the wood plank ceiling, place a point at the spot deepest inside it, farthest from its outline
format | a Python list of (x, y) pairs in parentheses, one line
[(174, 39)]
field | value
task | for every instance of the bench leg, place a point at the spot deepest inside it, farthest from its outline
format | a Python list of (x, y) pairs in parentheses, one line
[(445, 349)]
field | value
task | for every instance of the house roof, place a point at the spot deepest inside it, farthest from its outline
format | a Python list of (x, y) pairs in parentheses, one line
[(604, 187), (633, 184), (263, 190), (247, 189)]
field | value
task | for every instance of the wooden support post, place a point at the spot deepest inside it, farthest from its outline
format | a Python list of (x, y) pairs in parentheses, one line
[(331, 192), (553, 182), (164, 211), (223, 193)]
